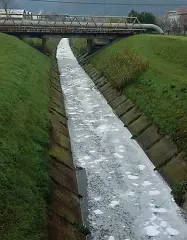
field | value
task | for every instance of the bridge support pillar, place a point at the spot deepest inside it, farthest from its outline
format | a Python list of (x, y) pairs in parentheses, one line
[(44, 41), (89, 46)]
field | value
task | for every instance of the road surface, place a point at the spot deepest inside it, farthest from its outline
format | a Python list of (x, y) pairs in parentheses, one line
[(124, 198)]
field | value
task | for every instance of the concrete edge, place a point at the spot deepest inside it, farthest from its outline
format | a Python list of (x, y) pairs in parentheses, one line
[(63, 208)]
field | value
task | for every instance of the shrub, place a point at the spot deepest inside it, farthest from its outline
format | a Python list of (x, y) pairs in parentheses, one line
[(126, 68)]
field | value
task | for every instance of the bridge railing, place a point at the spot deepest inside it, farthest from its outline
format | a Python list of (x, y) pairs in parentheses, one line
[(69, 21)]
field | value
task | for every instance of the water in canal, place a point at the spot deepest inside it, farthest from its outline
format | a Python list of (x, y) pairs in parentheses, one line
[(124, 198)]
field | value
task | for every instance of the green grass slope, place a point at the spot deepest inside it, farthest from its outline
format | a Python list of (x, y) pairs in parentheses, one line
[(159, 86), (24, 99), (79, 46), (51, 44)]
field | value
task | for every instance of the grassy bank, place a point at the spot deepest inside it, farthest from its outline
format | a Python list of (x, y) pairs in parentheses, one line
[(24, 99), (51, 44), (79, 46), (34, 42), (151, 70)]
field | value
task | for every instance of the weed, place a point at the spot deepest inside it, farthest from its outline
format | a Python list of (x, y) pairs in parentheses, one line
[(81, 228), (126, 67), (179, 191)]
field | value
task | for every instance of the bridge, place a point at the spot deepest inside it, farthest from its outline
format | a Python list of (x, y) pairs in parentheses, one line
[(43, 26), (72, 26)]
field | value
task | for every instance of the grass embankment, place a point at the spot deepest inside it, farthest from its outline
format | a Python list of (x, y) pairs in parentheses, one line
[(34, 42), (51, 44), (79, 46), (152, 70), (24, 137)]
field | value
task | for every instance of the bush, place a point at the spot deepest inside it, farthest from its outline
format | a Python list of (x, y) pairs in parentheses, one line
[(126, 68)]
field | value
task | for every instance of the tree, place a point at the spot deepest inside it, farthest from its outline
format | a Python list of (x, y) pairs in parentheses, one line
[(164, 23), (143, 17), (176, 27), (147, 17), (133, 13), (7, 4)]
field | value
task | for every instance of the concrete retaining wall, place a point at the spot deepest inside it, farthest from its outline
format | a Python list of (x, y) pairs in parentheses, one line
[(168, 160), (64, 214)]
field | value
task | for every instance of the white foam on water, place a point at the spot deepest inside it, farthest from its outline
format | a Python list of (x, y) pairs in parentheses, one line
[(72, 113), (172, 231), (98, 212), (111, 238), (153, 218), (159, 210), (135, 184), (97, 199), (141, 167), (118, 155), (121, 150), (113, 204), (152, 231), (146, 183), (132, 177), (130, 193), (151, 204), (163, 224), (154, 192), (99, 160)]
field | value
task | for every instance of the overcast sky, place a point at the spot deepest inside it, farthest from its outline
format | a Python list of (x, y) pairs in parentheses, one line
[(97, 9)]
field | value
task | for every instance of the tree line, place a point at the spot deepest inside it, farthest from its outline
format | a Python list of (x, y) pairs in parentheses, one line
[(177, 27), (143, 17)]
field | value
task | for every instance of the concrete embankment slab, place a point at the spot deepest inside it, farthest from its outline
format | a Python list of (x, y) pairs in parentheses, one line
[(139, 125), (124, 107), (175, 170), (149, 137), (131, 116), (64, 214), (162, 152)]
